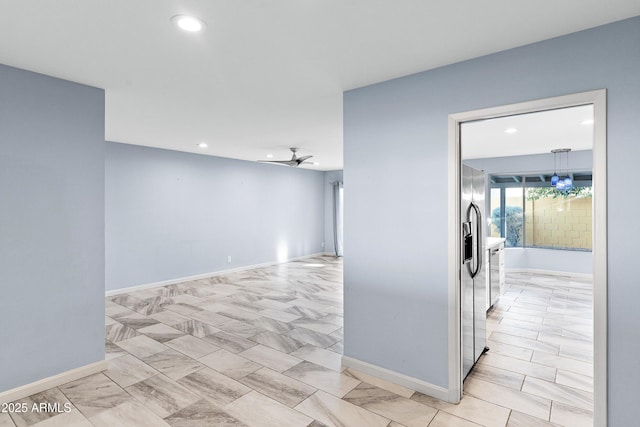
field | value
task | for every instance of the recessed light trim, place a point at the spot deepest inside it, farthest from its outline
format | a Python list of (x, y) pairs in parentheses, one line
[(510, 130), (587, 122), (188, 23), (269, 156), (203, 145)]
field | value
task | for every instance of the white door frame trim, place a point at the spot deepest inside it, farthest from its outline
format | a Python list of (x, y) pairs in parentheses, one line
[(598, 98)]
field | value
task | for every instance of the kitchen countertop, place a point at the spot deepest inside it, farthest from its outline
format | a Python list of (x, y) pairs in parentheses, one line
[(494, 242)]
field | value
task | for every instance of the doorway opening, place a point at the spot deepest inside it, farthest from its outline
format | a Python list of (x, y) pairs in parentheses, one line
[(530, 183)]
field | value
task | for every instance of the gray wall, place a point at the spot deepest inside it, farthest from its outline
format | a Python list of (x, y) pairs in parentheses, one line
[(171, 215), (51, 226), (536, 258), (578, 262), (396, 213), (329, 177)]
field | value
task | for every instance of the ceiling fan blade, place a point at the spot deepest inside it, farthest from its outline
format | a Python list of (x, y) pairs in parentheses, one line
[(281, 162), (294, 162)]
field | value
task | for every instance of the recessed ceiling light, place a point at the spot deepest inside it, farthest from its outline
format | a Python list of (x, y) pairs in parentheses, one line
[(189, 23), (587, 122), (316, 163), (269, 156), (203, 145), (511, 130)]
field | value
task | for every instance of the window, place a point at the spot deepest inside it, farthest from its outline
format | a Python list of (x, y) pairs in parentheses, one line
[(528, 212)]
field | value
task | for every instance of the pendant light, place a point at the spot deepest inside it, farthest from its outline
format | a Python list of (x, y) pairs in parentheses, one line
[(555, 178), (561, 183), (568, 182)]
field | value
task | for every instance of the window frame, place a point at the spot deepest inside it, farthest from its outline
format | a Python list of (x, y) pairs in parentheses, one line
[(513, 180)]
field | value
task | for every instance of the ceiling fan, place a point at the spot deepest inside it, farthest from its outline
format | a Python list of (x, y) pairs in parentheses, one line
[(294, 162)]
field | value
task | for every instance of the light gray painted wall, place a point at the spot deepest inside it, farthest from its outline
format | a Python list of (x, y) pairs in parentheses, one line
[(395, 150), (171, 215), (535, 258), (548, 259), (51, 226), (329, 177)]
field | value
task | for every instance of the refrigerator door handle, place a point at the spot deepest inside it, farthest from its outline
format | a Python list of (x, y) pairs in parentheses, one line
[(473, 271), (479, 238)]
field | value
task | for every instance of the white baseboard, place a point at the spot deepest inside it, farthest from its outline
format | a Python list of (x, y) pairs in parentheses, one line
[(50, 382), (205, 275), (397, 378), (549, 272)]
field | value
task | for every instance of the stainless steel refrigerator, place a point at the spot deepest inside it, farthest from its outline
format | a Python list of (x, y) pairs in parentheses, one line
[(473, 270)]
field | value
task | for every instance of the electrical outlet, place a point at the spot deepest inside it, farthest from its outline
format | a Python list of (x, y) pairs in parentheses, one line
[(323, 244), (229, 259)]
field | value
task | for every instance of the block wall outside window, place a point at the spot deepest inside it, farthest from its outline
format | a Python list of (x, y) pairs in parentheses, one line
[(559, 223), (529, 213)]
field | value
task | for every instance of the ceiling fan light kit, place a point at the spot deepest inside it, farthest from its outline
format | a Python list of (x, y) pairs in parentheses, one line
[(294, 162)]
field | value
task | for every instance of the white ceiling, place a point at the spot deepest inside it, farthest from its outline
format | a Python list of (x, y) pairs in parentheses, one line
[(266, 74), (535, 133)]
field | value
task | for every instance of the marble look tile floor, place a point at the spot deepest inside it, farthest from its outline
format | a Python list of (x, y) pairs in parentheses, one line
[(540, 358), (263, 348)]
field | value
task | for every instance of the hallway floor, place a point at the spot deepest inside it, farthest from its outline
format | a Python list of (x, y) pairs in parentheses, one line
[(263, 348), (540, 336)]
